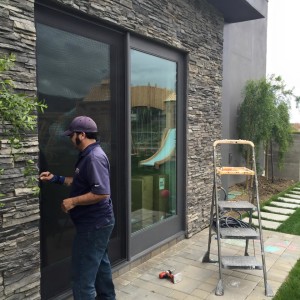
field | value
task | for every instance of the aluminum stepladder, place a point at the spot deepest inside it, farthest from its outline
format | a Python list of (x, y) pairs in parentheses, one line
[(249, 233)]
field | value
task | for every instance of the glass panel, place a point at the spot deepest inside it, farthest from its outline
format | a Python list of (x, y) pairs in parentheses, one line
[(74, 79), (153, 130)]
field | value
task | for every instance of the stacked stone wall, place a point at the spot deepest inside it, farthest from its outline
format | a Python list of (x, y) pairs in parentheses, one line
[(196, 27), (191, 25), (19, 217)]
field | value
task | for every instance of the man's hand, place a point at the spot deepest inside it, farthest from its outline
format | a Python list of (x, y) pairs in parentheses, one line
[(85, 199), (67, 204), (46, 176)]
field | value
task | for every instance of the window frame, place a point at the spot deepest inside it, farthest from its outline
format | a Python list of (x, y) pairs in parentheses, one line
[(174, 226)]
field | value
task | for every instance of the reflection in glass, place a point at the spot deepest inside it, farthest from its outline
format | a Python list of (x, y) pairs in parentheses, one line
[(73, 79), (153, 148)]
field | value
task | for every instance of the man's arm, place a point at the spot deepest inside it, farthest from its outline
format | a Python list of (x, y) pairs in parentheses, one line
[(86, 199), (47, 176)]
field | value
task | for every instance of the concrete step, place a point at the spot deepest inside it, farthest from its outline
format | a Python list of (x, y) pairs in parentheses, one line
[(294, 196), (279, 210), (265, 223), (289, 200), (285, 205), (295, 192), (270, 216)]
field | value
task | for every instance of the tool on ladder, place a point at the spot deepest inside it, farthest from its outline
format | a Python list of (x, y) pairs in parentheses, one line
[(220, 207)]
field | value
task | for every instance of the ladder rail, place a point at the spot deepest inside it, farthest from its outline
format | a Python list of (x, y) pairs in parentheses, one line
[(268, 290), (220, 288)]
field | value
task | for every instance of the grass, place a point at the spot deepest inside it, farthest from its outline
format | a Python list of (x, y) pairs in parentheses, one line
[(290, 289), (291, 225), (281, 194)]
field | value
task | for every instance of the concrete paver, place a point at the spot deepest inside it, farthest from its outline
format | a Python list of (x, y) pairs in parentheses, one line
[(265, 223), (279, 210), (289, 200), (270, 216), (285, 205), (199, 279), (295, 196), (297, 192)]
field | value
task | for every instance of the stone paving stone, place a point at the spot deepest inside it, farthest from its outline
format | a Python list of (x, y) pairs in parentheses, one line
[(259, 294), (295, 192), (264, 223), (191, 297), (284, 211), (235, 284), (199, 279), (186, 286), (289, 200), (285, 205), (270, 216), (155, 286), (277, 274), (295, 196), (235, 288), (178, 295), (196, 273), (200, 294), (210, 288)]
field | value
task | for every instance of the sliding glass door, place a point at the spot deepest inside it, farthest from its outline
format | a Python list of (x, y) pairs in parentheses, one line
[(78, 72)]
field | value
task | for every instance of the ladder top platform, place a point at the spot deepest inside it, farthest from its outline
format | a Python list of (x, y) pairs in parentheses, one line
[(234, 171), (242, 142)]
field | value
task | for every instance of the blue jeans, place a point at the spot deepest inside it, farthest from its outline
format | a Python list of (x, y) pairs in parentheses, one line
[(91, 270)]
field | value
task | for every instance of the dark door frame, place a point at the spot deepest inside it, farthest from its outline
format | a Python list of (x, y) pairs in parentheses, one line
[(77, 23)]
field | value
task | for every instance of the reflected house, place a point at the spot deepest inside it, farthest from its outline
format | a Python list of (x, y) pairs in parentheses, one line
[(97, 105), (153, 119), (153, 112)]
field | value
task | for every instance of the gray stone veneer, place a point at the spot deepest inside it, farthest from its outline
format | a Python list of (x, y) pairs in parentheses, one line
[(191, 25)]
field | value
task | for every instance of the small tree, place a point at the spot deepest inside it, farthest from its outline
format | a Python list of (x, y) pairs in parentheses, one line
[(281, 134), (255, 114), (18, 113), (264, 115)]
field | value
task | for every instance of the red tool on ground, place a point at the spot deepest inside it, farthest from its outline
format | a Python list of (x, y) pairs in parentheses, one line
[(174, 278)]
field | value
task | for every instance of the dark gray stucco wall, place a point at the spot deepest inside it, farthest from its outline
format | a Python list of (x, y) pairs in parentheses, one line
[(193, 26), (244, 58), (291, 164)]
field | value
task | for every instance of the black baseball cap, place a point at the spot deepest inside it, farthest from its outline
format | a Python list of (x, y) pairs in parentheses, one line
[(81, 124)]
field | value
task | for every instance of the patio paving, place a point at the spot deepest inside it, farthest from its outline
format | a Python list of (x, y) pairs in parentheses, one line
[(199, 279)]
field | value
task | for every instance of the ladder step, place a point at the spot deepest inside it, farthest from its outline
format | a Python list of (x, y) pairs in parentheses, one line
[(238, 233), (237, 205), (240, 262)]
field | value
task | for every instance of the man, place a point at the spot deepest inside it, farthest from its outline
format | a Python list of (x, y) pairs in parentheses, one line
[(91, 211)]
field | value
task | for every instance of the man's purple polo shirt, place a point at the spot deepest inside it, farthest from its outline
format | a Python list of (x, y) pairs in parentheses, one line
[(92, 175)]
